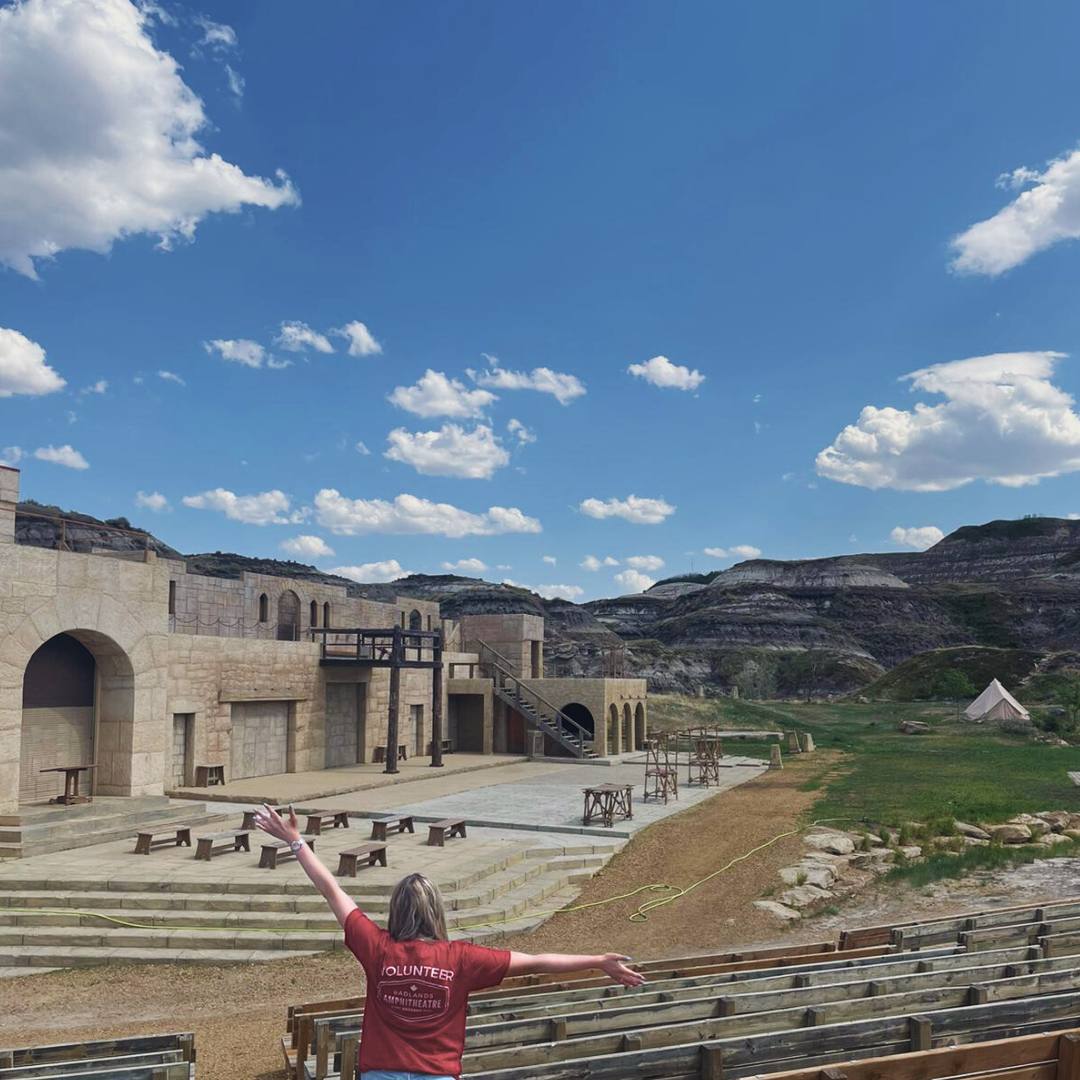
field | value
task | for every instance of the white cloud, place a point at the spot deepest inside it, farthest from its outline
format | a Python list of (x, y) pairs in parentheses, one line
[(171, 376), (362, 450), (1002, 421), (11, 455), (218, 36), (466, 566), (919, 537), (372, 572), (560, 592), (65, 455), (549, 559), (436, 395), (265, 508), (450, 451), (636, 510), (22, 362), (154, 501), (634, 581), (410, 514), (1036, 219), (299, 337), (99, 387), (308, 546), (274, 364), (660, 371), (591, 562), (238, 350), (651, 563), (361, 341), (564, 388), (736, 551), (235, 80), (100, 136), (521, 432)]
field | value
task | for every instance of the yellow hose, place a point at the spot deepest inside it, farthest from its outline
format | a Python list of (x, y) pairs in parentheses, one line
[(640, 915)]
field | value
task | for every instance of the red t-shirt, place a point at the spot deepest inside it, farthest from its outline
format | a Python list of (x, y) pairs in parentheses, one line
[(417, 993)]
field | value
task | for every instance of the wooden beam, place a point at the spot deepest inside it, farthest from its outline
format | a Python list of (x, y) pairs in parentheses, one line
[(1068, 1057), (395, 694), (921, 1030), (436, 707)]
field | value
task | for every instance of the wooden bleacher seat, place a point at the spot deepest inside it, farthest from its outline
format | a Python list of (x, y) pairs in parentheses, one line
[(399, 823), (174, 836), (138, 1057), (348, 859), (218, 843), (279, 851), (317, 820), (438, 831)]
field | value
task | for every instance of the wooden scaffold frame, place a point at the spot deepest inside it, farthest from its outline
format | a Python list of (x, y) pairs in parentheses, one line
[(704, 751), (661, 773)]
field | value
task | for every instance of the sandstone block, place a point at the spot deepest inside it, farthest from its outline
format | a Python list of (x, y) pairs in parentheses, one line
[(1011, 833), (833, 842), (820, 875), (973, 832), (803, 896), (781, 911)]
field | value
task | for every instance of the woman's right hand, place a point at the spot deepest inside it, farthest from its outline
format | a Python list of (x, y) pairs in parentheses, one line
[(270, 821), (614, 967)]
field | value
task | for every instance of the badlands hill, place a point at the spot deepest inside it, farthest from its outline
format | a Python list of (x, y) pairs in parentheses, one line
[(767, 627)]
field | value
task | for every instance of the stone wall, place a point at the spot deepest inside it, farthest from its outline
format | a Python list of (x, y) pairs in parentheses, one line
[(600, 697), (519, 638)]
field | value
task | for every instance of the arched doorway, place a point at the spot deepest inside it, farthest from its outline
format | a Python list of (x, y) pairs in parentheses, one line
[(581, 715), (288, 616), (415, 620), (627, 728), (78, 708), (639, 726), (613, 730)]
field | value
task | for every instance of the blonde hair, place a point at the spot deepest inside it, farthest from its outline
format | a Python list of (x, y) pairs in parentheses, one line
[(416, 910)]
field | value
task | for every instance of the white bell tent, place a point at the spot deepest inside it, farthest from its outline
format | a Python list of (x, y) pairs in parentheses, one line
[(996, 703)]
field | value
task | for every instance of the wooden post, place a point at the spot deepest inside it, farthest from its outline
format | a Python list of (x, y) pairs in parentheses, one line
[(395, 693), (920, 1027), (436, 703), (712, 1063), (1068, 1057)]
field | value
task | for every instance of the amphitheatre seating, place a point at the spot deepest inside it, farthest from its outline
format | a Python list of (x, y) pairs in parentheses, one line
[(217, 843), (978, 977), (400, 823), (139, 1057), (278, 851), (1030, 1057), (147, 841), (373, 851), (317, 820), (438, 831)]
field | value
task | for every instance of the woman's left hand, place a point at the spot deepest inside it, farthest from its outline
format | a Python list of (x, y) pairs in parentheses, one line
[(270, 821)]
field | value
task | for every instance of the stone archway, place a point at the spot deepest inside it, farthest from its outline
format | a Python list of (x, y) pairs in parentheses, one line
[(581, 714), (613, 745), (627, 728), (78, 707), (639, 725), (288, 616)]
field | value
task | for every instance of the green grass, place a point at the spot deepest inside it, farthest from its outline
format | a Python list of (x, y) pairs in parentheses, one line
[(970, 772), (915, 678), (995, 857)]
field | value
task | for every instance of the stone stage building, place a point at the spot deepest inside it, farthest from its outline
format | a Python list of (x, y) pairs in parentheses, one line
[(127, 661)]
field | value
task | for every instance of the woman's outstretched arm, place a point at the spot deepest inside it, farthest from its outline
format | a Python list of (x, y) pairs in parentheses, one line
[(341, 903), (611, 964)]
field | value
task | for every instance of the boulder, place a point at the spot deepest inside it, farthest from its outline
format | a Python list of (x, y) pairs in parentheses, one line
[(973, 832), (1011, 833), (875, 861), (1072, 834), (974, 841), (1036, 825), (833, 842), (911, 851), (913, 727), (820, 875), (1058, 820), (1052, 839), (803, 896), (781, 911)]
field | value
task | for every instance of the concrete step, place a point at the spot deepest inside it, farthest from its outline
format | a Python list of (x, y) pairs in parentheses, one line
[(15, 972), (194, 939), (68, 956)]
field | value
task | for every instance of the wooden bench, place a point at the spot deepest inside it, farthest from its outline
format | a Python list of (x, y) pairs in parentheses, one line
[(277, 851), (147, 841), (399, 823), (317, 820), (447, 747), (402, 753), (348, 859), (438, 831), (218, 843), (209, 775)]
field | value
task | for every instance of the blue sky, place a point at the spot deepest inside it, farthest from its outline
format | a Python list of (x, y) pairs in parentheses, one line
[(767, 195)]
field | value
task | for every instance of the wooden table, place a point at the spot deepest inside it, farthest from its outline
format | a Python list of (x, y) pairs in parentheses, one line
[(71, 784), (402, 753), (608, 801)]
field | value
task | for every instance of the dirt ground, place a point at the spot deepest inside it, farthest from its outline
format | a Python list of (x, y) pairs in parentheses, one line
[(237, 1013)]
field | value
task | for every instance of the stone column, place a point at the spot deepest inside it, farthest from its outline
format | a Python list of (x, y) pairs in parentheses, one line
[(9, 496)]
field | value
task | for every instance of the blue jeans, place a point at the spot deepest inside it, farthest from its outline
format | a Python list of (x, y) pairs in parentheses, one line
[(387, 1074)]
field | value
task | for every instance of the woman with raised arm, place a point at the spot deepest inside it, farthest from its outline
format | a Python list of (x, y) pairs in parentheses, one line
[(418, 982)]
